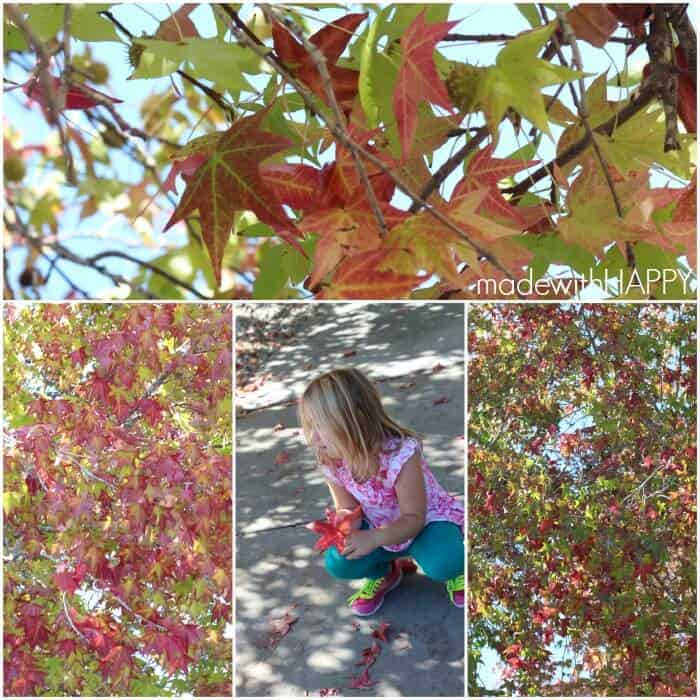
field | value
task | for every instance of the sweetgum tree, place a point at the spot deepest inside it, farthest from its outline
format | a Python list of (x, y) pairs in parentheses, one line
[(322, 152), (582, 498), (117, 500)]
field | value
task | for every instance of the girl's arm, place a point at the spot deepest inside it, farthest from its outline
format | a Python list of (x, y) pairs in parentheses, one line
[(410, 491), (344, 502)]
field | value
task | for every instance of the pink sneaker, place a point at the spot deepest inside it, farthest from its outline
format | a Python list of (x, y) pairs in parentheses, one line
[(371, 596), (455, 589)]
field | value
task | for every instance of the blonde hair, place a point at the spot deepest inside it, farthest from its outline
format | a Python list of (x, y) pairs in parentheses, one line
[(348, 407)]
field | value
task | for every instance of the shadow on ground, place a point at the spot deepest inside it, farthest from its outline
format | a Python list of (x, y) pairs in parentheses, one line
[(399, 346)]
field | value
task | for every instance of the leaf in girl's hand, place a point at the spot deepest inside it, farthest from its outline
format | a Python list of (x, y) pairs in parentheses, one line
[(333, 529), (440, 401), (282, 458), (380, 632)]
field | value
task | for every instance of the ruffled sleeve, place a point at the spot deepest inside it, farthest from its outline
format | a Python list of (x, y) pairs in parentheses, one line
[(398, 457), (330, 474)]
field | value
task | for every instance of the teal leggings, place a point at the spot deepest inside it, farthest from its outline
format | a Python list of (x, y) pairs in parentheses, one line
[(438, 549)]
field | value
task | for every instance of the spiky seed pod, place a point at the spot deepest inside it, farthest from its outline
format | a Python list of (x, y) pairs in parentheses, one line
[(462, 86)]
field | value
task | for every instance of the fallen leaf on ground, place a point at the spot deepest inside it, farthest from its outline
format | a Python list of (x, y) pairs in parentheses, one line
[(440, 401), (362, 681), (282, 458), (277, 428), (280, 627), (349, 353), (369, 655), (380, 632), (437, 368)]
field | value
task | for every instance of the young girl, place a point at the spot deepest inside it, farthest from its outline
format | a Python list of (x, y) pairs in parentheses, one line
[(371, 460)]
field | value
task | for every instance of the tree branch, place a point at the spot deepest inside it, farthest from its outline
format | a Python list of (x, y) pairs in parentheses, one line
[(309, 100), (341, 123), (646, 94), (450, 165)]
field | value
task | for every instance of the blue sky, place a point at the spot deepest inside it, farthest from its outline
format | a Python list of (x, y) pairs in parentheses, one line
[(475, 19)]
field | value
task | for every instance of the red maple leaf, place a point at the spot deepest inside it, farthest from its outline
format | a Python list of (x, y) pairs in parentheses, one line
[(418, 78), (369, 655), (331, 40), (333, 529), (362, 681), (67, 580), (280, 627), (485, 172), (230, 181), (380, 632), (118, 658), (77, 97)]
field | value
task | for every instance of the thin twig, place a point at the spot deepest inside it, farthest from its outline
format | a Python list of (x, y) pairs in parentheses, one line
[(453, 162), (580, 100), (486, 38), (662, 62), (646, 94), (319, 61), (70, 620), (140, 618), (148, 266)]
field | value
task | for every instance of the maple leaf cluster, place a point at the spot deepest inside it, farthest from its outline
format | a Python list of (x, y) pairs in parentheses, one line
[(582, 494), (368, 248), (118, 498)]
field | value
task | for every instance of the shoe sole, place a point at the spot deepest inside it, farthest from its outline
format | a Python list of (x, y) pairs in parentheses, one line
[(381, 602)]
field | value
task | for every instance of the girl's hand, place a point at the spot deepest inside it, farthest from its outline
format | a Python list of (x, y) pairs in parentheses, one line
[(343, 512), (360, 543)]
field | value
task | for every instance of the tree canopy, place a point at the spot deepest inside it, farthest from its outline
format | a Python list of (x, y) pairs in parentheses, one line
[(311, 151), (582, 499), (117, 500)]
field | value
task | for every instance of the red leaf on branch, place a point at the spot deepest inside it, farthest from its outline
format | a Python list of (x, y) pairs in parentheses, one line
[(115, 661), (333, 529), (67, 580), (331, 40), (230, 181), (418, 78), (82, 97)]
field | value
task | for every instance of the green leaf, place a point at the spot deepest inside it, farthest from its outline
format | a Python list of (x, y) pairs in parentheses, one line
[(530, 12), (367, 57), (503, 85), (210, 59), (88, 25), (13, 39), (45, 20)]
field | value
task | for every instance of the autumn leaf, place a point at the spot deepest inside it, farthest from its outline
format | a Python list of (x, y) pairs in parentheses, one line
[(82, 97), (418, 79), (331, 40), (363, 681), (333, 529), (503, 85), (363, 277), (381, 631), (282, 458), (230, 181)]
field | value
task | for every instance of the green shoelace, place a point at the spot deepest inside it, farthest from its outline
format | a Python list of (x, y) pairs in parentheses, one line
[(455, 584), (368, 591)]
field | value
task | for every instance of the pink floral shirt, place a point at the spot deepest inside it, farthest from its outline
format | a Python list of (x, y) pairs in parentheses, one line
[(377, 495)]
